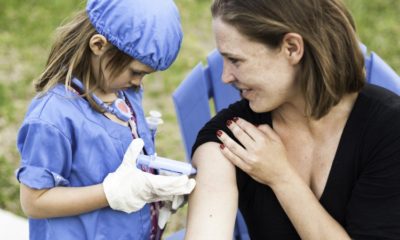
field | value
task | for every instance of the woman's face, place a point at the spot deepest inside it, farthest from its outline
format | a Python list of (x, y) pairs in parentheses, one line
[(264, 76)]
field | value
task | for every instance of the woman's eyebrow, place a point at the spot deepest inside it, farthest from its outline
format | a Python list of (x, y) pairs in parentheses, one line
[(230, 55)]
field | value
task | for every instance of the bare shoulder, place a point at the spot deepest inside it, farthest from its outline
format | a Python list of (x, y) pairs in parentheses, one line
[(212, 164)]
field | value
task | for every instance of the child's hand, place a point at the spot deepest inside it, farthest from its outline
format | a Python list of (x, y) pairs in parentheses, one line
[(128, 189), (170, 207)]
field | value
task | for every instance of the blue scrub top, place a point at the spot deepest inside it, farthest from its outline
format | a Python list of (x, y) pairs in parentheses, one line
[(65, 142)]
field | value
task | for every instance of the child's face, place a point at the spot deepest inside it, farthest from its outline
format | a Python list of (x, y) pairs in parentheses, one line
[(131, 77)]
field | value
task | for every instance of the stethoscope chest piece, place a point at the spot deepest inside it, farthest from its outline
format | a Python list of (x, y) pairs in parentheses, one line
[(123, 111), (118, 108)]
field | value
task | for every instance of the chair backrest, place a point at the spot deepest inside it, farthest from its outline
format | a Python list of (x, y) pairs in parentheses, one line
[(381, 74), (191, 106), (179, 235), (192, 98), (378, 72)]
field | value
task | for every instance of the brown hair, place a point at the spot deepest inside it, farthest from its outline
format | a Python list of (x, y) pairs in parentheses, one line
[(332, 65), (70, 57)]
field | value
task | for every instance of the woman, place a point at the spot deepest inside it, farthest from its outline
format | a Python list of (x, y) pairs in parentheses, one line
[(84, 131), (311, 151)]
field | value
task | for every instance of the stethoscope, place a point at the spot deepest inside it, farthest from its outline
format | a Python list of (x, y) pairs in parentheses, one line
[(118, 108), (122, 110)]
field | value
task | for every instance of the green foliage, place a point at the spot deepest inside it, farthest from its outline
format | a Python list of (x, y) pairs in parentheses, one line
[(4, 106), (26, 29), (378, 27), (9, 192)]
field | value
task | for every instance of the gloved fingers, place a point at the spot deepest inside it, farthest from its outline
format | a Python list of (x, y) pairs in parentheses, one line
[(178, 201), (118, 194), (170, 185), (163, 215), (133, 152), (150, 196)]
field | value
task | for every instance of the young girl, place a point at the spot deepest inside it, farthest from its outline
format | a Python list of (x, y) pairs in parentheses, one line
[(78, 170)]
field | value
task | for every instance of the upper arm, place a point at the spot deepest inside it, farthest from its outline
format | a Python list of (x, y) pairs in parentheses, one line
[(213, 203), (46, 156)]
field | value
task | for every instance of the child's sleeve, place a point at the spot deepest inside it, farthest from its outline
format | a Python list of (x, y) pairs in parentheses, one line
[(46, 156)]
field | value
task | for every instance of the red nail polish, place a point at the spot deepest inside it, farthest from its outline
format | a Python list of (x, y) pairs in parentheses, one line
[(222, 146), (235, 119), (228, 123), (219, 133)]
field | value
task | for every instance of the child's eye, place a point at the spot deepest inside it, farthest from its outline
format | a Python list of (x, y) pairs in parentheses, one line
[(136, 73)]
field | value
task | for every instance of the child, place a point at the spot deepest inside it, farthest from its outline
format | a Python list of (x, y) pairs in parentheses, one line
[(78, 173)]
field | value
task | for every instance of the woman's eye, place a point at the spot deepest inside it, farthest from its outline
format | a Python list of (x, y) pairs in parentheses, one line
[(233, 60)]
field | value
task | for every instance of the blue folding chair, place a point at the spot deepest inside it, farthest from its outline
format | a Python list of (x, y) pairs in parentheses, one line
[(381, 74), (192, 106), (378, 72), (191, 98), (179, 235)]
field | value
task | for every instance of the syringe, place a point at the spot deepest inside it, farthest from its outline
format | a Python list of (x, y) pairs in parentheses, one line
[(153, 121), (160, 163)]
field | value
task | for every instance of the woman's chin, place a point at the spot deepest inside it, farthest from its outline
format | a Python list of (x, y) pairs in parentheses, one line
[(259, 107), (255, 107)]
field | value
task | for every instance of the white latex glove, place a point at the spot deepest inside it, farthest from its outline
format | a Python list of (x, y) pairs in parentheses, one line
[(169, 208), (128, 189)]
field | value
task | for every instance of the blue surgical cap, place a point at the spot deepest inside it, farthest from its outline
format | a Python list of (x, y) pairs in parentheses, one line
[(147, 30)]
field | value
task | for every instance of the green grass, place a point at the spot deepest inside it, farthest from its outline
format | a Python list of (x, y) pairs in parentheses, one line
[(26, 29), (9, 188), (378, 27)]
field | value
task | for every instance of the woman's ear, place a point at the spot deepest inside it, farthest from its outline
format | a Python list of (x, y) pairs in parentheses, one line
[(98, 44), (293, 47)]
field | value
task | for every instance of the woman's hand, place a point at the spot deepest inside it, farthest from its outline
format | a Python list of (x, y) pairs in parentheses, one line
[(263, 156)]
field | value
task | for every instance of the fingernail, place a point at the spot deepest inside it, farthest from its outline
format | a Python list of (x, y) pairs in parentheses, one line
[(235, 119), (219, 133), (222, 146), (228, 123)]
